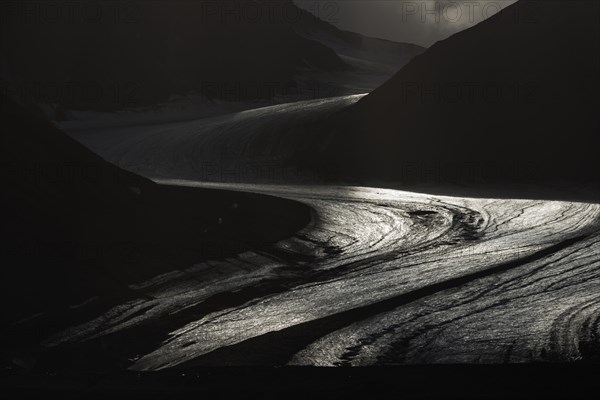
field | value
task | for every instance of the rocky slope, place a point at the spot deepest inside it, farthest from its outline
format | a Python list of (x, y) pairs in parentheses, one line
[(512, 99)]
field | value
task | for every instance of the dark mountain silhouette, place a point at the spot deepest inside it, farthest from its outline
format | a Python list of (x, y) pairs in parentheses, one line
[(75, 226), (140, 53), (355, 48), (513, 99)]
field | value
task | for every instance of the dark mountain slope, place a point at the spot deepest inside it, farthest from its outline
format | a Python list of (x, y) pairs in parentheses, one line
[(120, 55), (75, 226), (514, 98)]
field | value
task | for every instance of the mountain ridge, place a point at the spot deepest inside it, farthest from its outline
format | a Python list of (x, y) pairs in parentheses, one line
[(514, 106)]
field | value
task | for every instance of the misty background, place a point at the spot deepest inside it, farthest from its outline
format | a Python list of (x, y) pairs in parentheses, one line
[(418, 22)]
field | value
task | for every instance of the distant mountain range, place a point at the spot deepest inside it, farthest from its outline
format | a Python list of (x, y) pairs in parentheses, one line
[(150, 51), (513, 99), (358, 51)]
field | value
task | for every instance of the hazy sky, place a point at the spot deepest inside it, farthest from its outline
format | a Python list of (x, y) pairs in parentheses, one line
[(420, 22)]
